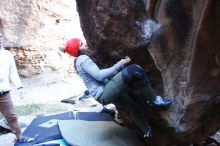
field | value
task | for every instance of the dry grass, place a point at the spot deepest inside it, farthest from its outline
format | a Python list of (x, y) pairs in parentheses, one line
[(39, 109)]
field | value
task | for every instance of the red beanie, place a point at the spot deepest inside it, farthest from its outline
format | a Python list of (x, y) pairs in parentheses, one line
[(72, 47)]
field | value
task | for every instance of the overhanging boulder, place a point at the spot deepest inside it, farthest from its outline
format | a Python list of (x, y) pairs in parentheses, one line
[(182, 58)]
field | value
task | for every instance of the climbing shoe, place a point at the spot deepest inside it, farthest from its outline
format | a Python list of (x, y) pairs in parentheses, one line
[(148, 133), (160, 101)]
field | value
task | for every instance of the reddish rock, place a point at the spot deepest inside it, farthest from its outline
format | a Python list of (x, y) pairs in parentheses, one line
[(183, 58)]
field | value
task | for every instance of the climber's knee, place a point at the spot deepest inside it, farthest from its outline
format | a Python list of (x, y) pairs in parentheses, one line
[(135, 76)]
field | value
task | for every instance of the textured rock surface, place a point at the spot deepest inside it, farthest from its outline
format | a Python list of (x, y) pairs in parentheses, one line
[(187, 53), (35, 30), (185, 50)]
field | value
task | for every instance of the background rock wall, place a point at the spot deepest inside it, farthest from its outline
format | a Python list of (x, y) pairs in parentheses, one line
[(34, 30)]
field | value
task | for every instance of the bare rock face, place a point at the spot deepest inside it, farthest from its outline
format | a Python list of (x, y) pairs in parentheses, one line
[(187, 53), (182, 57), (35, 30), (115, 29), (106, 23)]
